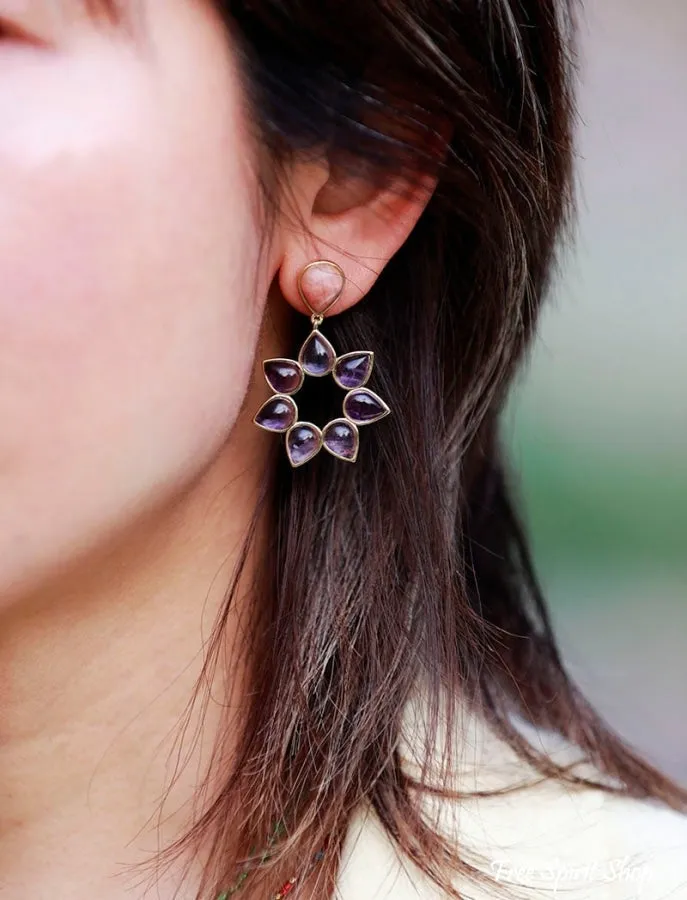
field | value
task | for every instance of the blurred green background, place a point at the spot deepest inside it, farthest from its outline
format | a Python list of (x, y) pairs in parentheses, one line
[(598, 426)]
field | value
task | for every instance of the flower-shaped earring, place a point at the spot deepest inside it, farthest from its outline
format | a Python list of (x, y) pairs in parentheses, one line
[(322, 283)]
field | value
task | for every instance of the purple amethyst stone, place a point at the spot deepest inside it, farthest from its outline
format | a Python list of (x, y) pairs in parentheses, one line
[(341, 439), (353, 369), (278, 414), (317, 355), (362, 407), (284, 376), (303, 442)]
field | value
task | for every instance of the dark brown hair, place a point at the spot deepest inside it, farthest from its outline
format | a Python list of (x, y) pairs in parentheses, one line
[(412, 564)]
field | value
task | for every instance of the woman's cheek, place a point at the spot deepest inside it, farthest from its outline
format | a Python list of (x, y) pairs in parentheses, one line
[(128, 314)]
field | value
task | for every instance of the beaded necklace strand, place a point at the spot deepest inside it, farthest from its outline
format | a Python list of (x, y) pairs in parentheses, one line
[(288, 886)]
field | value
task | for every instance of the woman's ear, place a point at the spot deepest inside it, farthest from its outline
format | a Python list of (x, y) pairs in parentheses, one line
[(349, 220)]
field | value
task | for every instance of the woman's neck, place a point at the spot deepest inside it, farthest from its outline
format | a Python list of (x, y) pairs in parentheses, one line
[(97, 669)]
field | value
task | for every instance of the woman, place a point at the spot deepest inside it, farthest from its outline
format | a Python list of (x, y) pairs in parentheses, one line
[(238, 663)]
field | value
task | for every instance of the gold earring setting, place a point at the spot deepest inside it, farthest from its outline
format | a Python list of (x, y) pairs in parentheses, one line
[(318, 358)]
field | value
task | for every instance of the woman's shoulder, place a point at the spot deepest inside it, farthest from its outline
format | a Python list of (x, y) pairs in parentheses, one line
[(547, 839), (534, 848)]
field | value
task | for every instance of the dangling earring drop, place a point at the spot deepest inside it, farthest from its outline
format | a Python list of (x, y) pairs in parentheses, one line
[(322, 283)]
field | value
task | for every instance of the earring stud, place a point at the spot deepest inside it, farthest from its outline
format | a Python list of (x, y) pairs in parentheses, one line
[(320, 286)]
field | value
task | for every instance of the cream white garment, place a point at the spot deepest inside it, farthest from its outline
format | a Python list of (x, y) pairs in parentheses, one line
[(544, 841)]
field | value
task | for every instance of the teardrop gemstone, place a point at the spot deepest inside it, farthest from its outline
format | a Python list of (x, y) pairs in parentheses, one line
[(362, 407), (352, 370), (317, 355), (278, 414), (342, 440), (284, 376), (303, 442)]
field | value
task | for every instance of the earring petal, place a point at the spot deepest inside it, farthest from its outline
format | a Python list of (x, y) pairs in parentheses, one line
[(278, 414), (342, 439), (317, 356), (303, 442), (353, 370), (284, 376), (363, 406)]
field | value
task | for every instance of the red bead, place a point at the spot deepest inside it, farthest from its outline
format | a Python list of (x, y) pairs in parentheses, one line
[(288, 887)]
